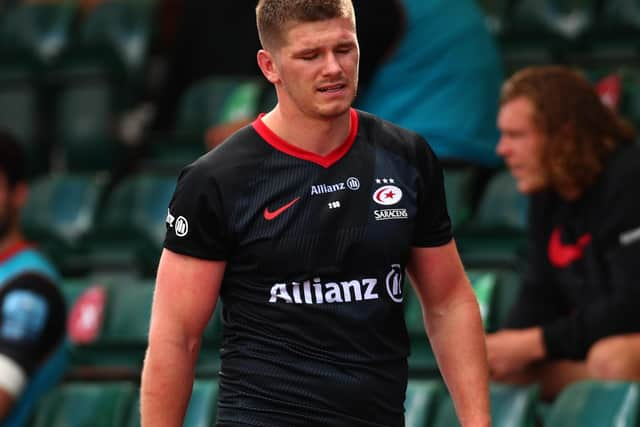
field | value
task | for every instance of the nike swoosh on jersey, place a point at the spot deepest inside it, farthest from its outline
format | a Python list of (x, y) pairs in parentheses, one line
[(561, 254), (268, 215)]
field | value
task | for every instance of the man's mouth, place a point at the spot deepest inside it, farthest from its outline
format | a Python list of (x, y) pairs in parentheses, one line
[(332, 88)]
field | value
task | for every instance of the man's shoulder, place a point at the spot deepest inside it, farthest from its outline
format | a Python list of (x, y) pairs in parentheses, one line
[(377, 127)]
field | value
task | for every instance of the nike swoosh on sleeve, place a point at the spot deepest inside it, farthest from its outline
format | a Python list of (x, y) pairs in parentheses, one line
[(269, 216)]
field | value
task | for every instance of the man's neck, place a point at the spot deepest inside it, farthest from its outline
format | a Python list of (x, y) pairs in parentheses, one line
[(318, 136)]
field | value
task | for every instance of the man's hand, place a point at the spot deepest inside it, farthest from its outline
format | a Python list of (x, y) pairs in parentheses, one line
[(511, 351)]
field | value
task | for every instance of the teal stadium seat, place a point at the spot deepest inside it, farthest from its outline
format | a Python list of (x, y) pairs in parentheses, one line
[(209, 102), (458, 186), (620, 18), (86, 404), (556, 19), (511, 406), (122, 325), (596, 404), (20, 105), (60, 211), (85, 122), (495, 12), (422, 361), (421, 401), (202, 406), (130, 228), (496, 234), (36, 32)]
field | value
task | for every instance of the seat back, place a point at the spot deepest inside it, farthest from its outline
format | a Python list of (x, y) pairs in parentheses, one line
[(421, 402), (86, 404), (511, 406), (596, 404), (42, 28)]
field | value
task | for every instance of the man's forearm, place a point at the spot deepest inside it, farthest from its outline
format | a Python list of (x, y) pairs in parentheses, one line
[(457, 337), (167, 381)]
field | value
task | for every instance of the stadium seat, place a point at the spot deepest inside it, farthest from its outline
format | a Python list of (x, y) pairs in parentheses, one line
[(36, 32), (212, 101), (20, 105), (596, 404), (60, 210), (496, 234), (458, 186), (118, 327), (620, 18), (121, 26), (202, 406), (495, 12), (556, 19), (421, 401), (511, 406), (130, 228), (85, 119), (86, 404), (422, 361)]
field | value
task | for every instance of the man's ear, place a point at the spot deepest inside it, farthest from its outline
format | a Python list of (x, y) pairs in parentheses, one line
[(268, 66)]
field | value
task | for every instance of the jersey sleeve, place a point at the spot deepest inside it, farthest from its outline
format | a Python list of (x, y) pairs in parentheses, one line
[(196, 224), (32, 320), (433, 226)]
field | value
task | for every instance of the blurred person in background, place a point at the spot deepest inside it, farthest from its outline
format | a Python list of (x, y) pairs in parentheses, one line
[(442, 81), (302, 224), (32, 309), (577, 315)]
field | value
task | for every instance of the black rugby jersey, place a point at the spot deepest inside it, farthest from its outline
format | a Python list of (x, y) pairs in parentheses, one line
[(316, 248)]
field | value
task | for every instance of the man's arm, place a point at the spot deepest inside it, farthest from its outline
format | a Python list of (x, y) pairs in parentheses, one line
[(453, 323), (185, 297)]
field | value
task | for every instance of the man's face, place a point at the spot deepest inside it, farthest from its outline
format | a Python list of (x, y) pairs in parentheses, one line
[(521, 145), (317, 67)]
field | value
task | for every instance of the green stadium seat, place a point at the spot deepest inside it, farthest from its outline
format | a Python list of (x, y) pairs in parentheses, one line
[(121, 322), (422, 361), (20, 104), (596, 404), (458, 186), (59, 212), (130, 228), (495, 12), (421, 401), (620, 17), (555, 19), (123, 27), (202, 406), (511, 406), (209, 102), (86, 404), (85, 116), (36, 32), (496, 234)]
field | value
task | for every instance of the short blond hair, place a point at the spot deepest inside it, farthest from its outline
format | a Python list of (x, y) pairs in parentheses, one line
[(272, 16)]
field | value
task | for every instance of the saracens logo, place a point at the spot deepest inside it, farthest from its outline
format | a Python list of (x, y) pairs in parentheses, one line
[(387, 195)]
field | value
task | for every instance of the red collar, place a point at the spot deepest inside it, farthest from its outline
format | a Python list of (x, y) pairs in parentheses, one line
[(14, 249), (325, 161)]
